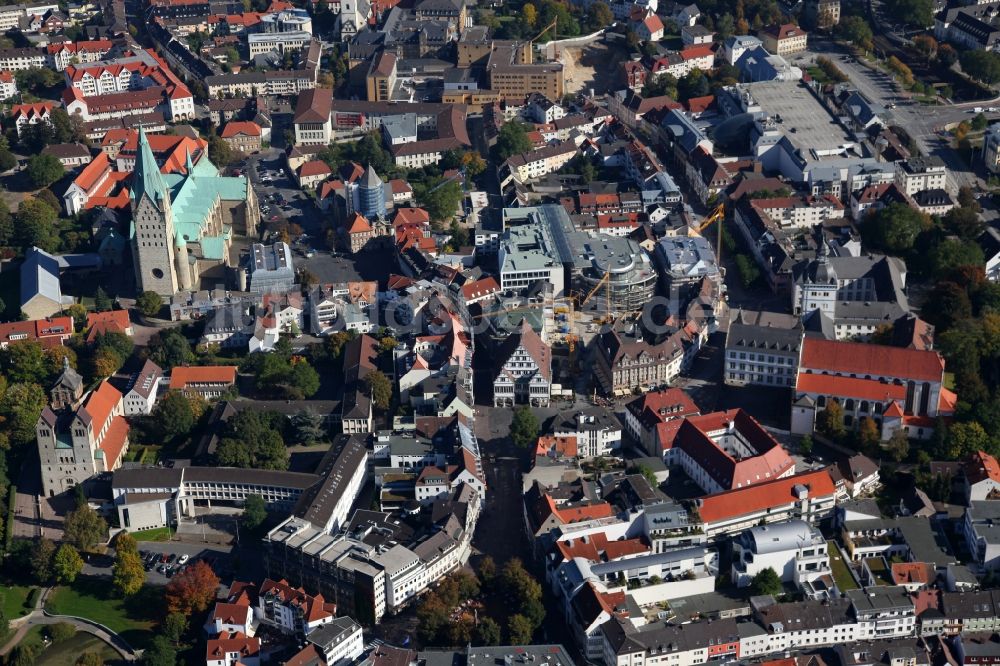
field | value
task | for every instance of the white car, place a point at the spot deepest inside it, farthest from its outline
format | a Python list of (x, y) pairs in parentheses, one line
[(183, 559)]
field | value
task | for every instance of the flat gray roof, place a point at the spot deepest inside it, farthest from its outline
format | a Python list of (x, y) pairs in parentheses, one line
[(799, 110)]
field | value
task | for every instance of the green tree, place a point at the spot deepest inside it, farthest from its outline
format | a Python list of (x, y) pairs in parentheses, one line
[(24, 653), (946, 56), (965, 439), (894, 228), (24, 363), (487, 632), (662, 85), (174, 626), (61, 631), (898, 445), (219, 152), (232, 453), (806, 446), (965, 222), (160, 653), (254, 512), (102, 302), (487, 570), (599, 16), (981, 65), (379, 388), (747, 268), (440, 199), (647, 472), (90, 659), (36, 225), (307, 426), (149, 303), (524, 427), (459, 235), (173, 416), (170, 348), (918, 13), (42, 554), (20, 406), (979, 122), (512, 140), (7, 160), (519, 630), (43, 170), (693, 84), (84, 528), (766, 582), (857, 31), (67, 564)]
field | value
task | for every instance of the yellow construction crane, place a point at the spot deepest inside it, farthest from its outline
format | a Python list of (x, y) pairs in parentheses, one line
[(555, 30), (571, 338), (717, 215)]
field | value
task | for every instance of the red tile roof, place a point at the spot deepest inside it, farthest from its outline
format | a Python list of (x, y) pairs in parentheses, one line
[(100, 323), (480, 288), (911, 572), (29, 110), (114, 441), (358, 225), (314, 168), (849, 387), (236, 127), (180, 377), (560, 447), (411, 216), (101, 403), (218, 648), (761, 496), (982, 466), (49, 332), (862, 359), (660, 406)]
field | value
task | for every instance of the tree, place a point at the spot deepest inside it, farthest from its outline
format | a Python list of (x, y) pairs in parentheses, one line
[(233, 453), (45, 169), (964, 222), (219, 152), (102, 302), (599, 16), (898, 445), (173, 416), (918, 13), (170, 349), (7, 160), (524, 427), (36, 225), (19, 407), (307, 426), (174, 626), (647, 472), (830, 421), (487, 570), (192, 590), (61, 631), (67, 564), (806, 446), (868, 434), (487, 632), (857, 31), (519, 630), (128, 574), (926, 44), (901, 69), (42, 555), (24, 653), (90, 659), (459, 235), (981, 65), (160, 653), (440, 199), (747, 268), (894, 228), (965, 439), (529, 14), (84, 528), (254, 512), (149, 303), (660, 85), (766, 582), (947, 56), (512, 140), (379, 388), (693, 84), (25, 363)]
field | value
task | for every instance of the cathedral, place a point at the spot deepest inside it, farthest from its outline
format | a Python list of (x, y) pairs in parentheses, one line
[(183, 223)]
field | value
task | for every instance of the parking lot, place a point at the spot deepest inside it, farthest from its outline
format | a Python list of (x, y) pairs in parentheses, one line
[(162, 560)]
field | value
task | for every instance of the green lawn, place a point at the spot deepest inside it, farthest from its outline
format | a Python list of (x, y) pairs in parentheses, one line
[(94, 599), (155, 534), (13, 599), (841, 574)]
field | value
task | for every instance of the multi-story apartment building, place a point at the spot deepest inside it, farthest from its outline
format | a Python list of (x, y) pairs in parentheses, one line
[(762, 348), (795, 550), (17, 59), (597, 433), (62, 55), (26, 115), (291, 610), (625, 362), (921, 173), (810, 496), (783, 39), (381, 78), (142, 390), (647, 417), (803, 212), (537, 163), (883, 612), (243, 136), (279, 42)]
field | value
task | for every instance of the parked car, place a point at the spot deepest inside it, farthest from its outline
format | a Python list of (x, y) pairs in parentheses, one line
[(183, 558)]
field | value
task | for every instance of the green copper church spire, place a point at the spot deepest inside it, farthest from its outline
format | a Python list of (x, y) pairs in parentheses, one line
[(146, 177)]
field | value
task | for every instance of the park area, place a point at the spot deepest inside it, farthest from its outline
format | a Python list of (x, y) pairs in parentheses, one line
[(92, 598)]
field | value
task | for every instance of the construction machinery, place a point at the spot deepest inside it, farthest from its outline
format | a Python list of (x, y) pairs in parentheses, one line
[(555, 28), (717, 215), (571, 339)]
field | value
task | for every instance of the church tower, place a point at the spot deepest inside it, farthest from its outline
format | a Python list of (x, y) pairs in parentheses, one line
[(153, 241)]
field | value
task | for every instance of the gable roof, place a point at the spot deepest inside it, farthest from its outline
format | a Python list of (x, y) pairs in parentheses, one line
[(181, 376), (760, 496), (841, 357)]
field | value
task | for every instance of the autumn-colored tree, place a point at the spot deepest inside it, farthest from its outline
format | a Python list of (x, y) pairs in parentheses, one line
[(830, 421), (67, 564), (868, 434), (193, 590), (128, 574), (529, 14)]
